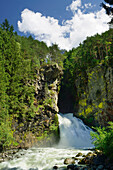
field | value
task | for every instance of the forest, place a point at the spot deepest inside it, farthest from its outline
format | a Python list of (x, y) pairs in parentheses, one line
[(86, 74), (21, 58)]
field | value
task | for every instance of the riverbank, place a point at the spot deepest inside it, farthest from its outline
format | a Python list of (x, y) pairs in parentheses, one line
[(40, 158), (95, 160), (53, 158), (9, 155)]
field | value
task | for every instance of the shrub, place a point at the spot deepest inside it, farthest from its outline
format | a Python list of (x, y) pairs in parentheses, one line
[(104, 139)]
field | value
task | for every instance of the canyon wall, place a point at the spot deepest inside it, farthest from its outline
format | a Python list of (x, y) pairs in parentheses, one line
[(41, 129)]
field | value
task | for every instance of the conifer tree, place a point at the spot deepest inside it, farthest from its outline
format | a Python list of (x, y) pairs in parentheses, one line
[(109, 9)]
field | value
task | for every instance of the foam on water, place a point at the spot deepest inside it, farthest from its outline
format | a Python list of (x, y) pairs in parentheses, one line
[(73, 132), (40, 158), (74, 136)]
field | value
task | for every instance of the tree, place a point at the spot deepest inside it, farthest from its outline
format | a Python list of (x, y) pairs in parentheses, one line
[(55, 55), (109, 9), (109, 1)]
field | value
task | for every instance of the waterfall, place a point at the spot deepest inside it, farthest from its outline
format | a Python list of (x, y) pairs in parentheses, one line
[(73, 132), (74, 137)]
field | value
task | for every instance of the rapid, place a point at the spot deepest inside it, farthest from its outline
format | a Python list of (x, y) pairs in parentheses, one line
[(74, 138)]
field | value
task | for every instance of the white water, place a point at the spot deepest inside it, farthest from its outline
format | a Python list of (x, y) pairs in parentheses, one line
[(41, 159), (73, 134)]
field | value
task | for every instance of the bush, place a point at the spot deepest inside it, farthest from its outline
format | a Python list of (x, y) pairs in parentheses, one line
[(104, 139)]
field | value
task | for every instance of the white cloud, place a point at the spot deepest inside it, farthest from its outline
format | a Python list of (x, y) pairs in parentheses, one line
[(49, 30), (88, 5), (74, 5)]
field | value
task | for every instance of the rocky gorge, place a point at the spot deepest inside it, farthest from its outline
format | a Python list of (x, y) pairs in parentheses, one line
[(87, 84), (34, 89), (42, 129)]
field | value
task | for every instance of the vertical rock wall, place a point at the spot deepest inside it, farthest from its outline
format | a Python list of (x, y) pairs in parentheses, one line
[(96, 100), (42, 128)]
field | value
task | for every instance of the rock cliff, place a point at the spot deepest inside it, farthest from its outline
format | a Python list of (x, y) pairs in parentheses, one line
[(96, 97), (90, 97), (42, 128), (88, 80)]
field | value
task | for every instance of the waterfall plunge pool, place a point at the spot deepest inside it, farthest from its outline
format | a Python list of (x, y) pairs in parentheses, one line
[(74, 138)]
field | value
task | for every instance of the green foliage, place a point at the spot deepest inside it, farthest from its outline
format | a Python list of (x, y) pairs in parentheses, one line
[(55, 55), (20, 61), (56, 120), (103, 139), (94, 50), (6, 135), (81, 68), (52, 134)]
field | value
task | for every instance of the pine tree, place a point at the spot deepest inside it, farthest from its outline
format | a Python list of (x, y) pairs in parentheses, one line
[(109, 10)]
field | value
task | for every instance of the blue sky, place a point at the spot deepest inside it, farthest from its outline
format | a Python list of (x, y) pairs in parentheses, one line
[(64, 22)]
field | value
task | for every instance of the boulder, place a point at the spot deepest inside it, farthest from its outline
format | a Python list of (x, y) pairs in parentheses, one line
[(55, 167), (79, 154), (68, 161), (72, 167)]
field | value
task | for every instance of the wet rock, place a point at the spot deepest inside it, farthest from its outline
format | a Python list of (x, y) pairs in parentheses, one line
[(8, 155), (86, 161), (89, 154), (97, 151), (79, 154), (72, 167), (77, 158), (100, 167), (55, 167), (99, 160), (69, 161), (82, 161), (77, 167)]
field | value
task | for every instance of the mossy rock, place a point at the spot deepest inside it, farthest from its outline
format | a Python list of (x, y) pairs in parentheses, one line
[(82, 161), (79, 154), (89, 154)]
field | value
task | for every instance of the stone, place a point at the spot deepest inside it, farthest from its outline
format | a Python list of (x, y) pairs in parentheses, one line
[(55, 167), (46, 123), (90, 154), (100, 167), (82, 161), (99, 91), (69, 161), (72, 167), (52, 72), (99, 160), (76, 158), (46, 85), (79, 154), (86, 160)]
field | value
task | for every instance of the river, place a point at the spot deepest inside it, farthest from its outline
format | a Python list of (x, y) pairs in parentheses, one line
[(74, 138)]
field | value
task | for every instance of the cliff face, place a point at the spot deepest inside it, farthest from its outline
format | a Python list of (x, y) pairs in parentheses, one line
[(96, 99), (91, 97), (47, 85), (42, 128), (88, 78)]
